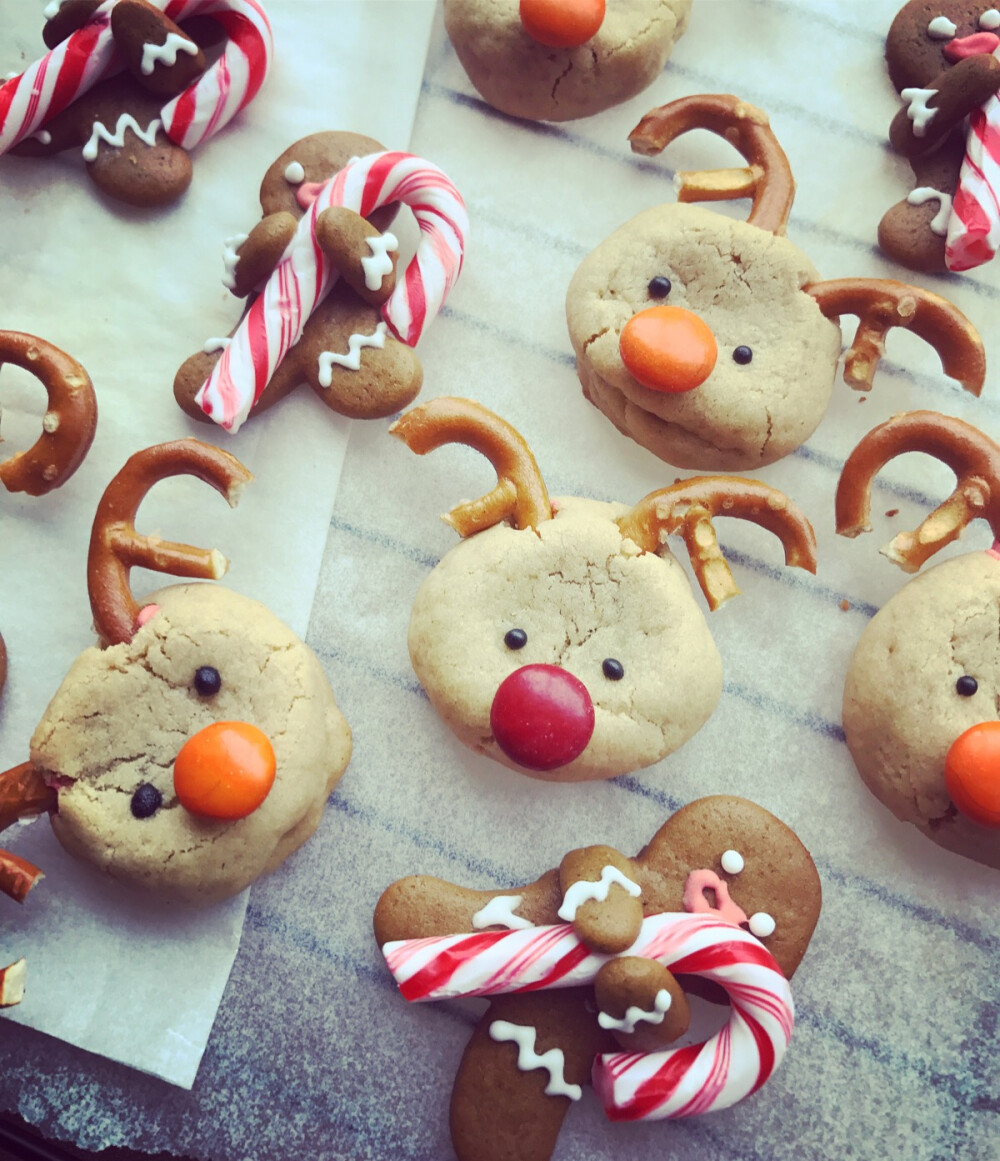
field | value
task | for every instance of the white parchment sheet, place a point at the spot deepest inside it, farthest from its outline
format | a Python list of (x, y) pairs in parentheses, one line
[(131, 294), (314, 1053)]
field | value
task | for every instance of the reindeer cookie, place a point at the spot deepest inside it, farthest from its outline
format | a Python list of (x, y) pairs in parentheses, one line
[(325, 306), (921, 696), (942, 60), (194, 748), (561, 638), (577, 966), (713, 342), (136, 129), (556, 60), (68, 425)]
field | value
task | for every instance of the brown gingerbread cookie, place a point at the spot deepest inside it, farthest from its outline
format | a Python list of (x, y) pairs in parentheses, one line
[(561, 638), (714, 342), (137, 128), (922, 692), (941, 59), (346, 347), (725, 893)]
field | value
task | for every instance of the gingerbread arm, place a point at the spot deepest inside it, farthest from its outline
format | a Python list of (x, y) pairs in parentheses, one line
[(364, 256), (932, 112), (601, 898), (260, 252)]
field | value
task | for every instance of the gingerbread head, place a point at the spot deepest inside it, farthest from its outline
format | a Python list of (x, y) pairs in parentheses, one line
[(943, 60), (557, 60), (319, 273), (561, 638), (586, 968), (193, 749), (713, 342), (136, 127), (923, 689)]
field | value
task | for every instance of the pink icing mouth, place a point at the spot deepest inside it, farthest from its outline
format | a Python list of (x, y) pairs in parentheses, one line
[(697, 883), (978, 44)]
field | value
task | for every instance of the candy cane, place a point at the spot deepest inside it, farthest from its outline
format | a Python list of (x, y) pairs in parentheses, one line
[(89, 55), (974, 226), (675, 1082), (304, 276)]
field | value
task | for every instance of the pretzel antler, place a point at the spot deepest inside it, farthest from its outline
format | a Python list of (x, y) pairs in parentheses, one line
[(23, 793), (69, 423), (519, 495), (688, 508), (767, 179), (971, 455), (116, 547), (881, 304)]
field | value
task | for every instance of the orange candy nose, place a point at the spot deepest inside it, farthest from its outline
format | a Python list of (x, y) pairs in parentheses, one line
[(224, 770), (667, 348), (972, 773), (562, 23)]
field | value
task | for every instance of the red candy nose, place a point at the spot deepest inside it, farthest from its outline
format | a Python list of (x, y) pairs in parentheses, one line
[(978, 44), (562, 23), (668, 348), (542, 717), (972, 773)]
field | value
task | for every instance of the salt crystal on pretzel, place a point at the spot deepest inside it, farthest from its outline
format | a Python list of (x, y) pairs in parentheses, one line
[(674, 1082), (304, 276), (89, 55), (974, 226)]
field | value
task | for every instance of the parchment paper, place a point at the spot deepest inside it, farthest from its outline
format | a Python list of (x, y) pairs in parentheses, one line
[(131, 294), (894, 1052)]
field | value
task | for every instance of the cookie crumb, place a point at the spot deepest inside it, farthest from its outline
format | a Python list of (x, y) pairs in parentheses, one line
[(892, 512), (845, 604)]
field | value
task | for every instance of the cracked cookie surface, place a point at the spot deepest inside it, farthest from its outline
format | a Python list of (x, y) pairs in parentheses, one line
[(524, 78), (582, 593), (746, 285), (123, 713)]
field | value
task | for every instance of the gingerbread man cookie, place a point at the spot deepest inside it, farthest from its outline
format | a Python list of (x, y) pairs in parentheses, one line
[(194, 748), (921, 696), (561, 638), (580, 965), (136, 129), (556, 60), (319, 271), (713, 342), (943, 61)]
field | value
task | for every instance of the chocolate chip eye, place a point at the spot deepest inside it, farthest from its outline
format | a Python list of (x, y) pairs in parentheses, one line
[(146, 800), (207, 681), (659, 287), (966, 686), (742, 355), (613, 670), (515, 639)]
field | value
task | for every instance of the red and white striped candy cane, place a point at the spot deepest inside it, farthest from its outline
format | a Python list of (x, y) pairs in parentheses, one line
[(89, 55), (676, 1082), (974, 225), (303, 277)]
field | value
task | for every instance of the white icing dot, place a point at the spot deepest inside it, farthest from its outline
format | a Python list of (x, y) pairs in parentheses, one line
[(294, 173), (941, 28), (761, 924), (732, 862), (990, 20)]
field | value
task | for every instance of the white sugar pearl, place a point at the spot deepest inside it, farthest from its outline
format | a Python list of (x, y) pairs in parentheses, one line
[(761, 924), (732, 862)]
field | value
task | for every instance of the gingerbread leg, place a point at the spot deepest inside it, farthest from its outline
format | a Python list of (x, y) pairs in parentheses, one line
[(913, 231), (524, 1067)]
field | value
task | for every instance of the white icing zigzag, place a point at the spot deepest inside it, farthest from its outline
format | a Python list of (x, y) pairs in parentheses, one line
[(499, 912), (230, 258), (352, 360), (583, 890), (636, 1015), (552, 1061), (125, 121), (925, 193), (917, 110), (213, 345), (379, 264), (153, 54)]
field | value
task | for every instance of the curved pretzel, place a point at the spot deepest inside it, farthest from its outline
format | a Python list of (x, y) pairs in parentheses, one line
[(116, 547), (768, 178), (519, 496), (971, 455), (68, 425), (688, 508), (881, 304), (23, 793)]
